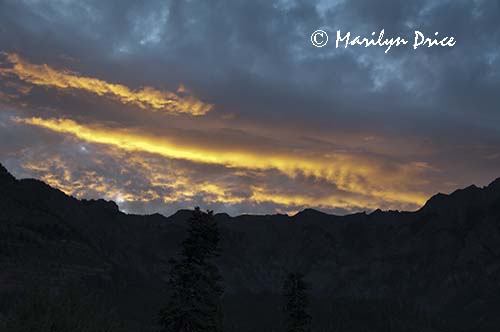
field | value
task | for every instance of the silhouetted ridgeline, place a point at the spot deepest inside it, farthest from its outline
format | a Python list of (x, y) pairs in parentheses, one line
[(437, 269)]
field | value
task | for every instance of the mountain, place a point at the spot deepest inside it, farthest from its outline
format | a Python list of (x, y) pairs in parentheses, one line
[(435, 269)]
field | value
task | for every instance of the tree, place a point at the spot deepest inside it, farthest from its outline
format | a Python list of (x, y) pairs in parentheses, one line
[(195, 282), (297, 318)]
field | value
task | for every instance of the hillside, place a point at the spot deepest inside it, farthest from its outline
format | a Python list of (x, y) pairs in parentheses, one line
[(443, 261)]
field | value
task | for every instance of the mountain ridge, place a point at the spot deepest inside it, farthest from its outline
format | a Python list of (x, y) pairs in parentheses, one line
[(442, 258), (110, 204)]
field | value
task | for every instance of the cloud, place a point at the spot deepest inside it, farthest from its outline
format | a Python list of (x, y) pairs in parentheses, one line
[(147, 183), (292, 126), (146, 98), (346, 172)]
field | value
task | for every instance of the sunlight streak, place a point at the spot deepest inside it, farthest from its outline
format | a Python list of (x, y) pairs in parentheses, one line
[(146, 98)]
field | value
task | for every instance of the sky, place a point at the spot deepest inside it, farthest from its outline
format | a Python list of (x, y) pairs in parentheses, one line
[(161, 105)]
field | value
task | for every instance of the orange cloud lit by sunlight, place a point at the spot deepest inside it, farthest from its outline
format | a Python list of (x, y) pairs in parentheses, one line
[(57, 173), (348, 173), (182, 187), (185, 187), (146, 98)]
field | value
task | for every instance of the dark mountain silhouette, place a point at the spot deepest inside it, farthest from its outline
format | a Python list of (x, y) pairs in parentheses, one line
[(436, 269)]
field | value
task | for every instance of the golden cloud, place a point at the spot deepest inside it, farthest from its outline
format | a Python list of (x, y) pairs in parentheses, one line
[(362, 180), (160, 183), (146, 98)]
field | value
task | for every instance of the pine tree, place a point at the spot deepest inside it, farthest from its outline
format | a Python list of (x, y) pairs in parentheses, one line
[(297, 319), (195, 282)]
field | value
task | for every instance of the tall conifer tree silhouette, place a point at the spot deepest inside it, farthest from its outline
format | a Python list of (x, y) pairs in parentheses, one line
[(195, 282)]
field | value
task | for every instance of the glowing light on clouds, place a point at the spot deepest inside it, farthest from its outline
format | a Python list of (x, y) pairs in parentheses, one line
[(181, 102), (348, 173)]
